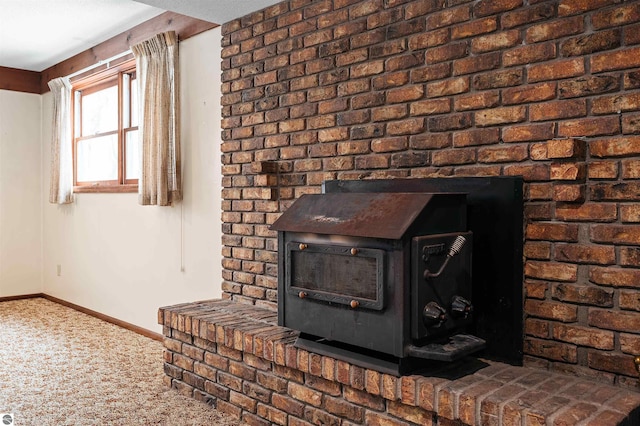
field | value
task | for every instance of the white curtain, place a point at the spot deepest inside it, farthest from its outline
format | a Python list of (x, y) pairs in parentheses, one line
[(157, 70), (61, 186)]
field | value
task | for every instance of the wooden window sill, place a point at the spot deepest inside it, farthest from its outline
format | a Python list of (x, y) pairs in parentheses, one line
[(93, 189)]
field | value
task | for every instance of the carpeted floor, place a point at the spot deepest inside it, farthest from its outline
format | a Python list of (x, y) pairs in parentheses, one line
[(62, 367)]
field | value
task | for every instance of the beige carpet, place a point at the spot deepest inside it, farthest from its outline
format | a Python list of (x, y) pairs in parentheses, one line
[(62, 367)]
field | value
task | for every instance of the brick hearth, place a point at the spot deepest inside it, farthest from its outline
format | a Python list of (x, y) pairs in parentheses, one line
[(234, 357)]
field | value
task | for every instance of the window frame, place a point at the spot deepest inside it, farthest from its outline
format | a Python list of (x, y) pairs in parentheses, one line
[(92, 83)]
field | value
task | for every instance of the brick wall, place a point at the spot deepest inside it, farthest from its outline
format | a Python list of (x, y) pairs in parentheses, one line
[(549, 90)]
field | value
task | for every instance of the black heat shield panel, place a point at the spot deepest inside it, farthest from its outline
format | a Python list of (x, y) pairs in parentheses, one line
[(495, 216)]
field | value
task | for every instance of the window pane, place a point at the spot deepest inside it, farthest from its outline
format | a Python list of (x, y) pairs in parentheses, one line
[(100, 111), (134, 102), (98, 159), (132, 153)]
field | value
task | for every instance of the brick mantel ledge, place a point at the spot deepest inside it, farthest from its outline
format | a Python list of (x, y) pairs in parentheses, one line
[(234, 357)]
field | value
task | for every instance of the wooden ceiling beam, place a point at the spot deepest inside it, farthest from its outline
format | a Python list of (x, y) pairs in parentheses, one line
[(184, 26), (20, 80)]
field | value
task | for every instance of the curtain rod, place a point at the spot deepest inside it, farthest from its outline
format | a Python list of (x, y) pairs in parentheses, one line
[(100, 63)]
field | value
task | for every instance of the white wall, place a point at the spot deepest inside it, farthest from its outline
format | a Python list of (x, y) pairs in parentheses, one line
[(20, 201), (124, 260)]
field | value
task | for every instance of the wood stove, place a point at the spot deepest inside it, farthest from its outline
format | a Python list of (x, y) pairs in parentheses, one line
[(381, 279)]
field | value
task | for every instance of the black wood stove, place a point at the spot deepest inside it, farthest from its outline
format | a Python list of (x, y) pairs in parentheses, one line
[(382, 279)]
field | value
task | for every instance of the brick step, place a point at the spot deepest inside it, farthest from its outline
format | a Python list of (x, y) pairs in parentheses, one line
[(235, 357)]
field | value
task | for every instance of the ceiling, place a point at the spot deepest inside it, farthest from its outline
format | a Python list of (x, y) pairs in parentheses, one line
[(36, 34)]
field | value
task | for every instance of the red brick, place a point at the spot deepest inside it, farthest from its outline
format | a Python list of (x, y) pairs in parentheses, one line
[(537, 249), (630, 256), (630, 213), (476, 137), (429, 39), (497, 79), (448, 17), (430, 141), (552, 231), (527, 94), (557, 109), (528, 15), (448, 87), (271, 414), (491, 7), (551, 349), (446, 52), (405, 94), (618, 16), (388, 112), (616, 234), (614, 320), (570, 193), (615, 277), (601, 255), (431, 72), (568, 171), (372, 162), (566, 149), (584, 336), (430, 107), (556, 70), (470, 397), (364, 399), (621, 364), (377, 419), (490, 406), (529, 54), (549, 310), (615, 191), (574, 7), (587, 86), (536, 328), (590, 127), (632, 35), (554, 29), (449, 122), (473, 101), (343, 409), (631, 123), (475, 27), (305, 394), (595, 212), (456, 156), (529, 173), (503, 154), (588, 44), (616, 104), (475, 64), (408, 390), (583, 294), (502, 115), (619, 59), (539, 191), (553, 271), (495, 41), (602, 170), (528, 132)]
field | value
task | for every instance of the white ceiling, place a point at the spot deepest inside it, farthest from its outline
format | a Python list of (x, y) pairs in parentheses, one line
[(36, 34)]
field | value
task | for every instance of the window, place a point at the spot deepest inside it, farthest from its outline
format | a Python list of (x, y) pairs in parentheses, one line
[(105, 131)]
